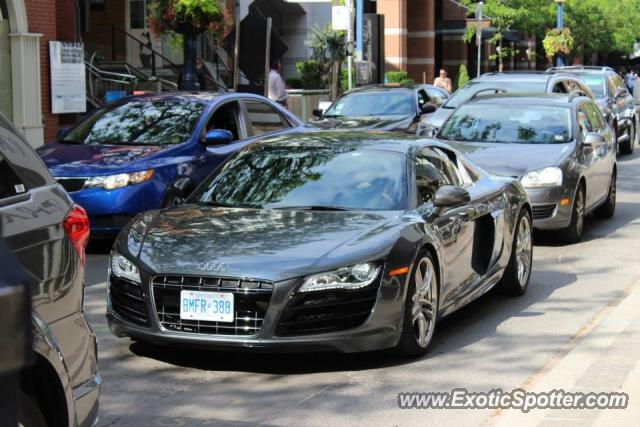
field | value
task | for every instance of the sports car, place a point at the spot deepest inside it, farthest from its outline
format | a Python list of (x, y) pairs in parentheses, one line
[(322, 241)]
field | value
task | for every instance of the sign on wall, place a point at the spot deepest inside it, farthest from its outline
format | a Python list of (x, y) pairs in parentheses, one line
[(68, 84)]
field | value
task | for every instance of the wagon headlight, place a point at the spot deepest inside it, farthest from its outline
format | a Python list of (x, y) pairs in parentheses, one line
[(122, 267), (112, 182), (354, 277), (547, 177)]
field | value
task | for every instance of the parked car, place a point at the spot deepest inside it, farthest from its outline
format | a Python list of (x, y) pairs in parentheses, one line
[(381, 107), (47, 234), (495, 83), (348, 241), (146, 152), (613, 99), (559, 146)]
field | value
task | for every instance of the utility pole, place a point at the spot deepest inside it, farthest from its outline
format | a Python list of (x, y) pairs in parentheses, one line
[(349, 4), (479, 38), (267, 58), (559, 26)]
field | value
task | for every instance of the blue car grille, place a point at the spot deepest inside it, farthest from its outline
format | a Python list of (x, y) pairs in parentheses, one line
[(327, 311), (251, 300)]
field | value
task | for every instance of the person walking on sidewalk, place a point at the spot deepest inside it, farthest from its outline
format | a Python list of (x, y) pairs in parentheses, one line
[(277, 88), (443, 81)]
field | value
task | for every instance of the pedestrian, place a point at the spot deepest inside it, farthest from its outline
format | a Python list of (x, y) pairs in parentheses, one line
[(443, 81), (277, 88), (201, 71)]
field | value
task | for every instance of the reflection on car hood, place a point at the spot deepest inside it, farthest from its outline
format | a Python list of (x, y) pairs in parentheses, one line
[(365, 123), (264, 244), (513, 159), (437, 118), (78, 160)]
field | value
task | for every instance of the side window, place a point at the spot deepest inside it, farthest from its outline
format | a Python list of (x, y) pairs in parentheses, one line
[(595, 118), (559, 87), (263, 118), (431, 174), (611, 84), (573, 86), (226, 117), (449, 166), (423, 98), (436, 97), (10, 184), (584, 123)]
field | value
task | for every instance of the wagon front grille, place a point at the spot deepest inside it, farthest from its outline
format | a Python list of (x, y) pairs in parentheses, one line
[(251, 300)]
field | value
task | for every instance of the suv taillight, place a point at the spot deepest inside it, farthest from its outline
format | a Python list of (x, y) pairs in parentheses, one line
[(76, 225)]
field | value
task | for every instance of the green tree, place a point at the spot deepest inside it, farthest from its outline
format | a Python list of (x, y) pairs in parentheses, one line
[(463, 76)]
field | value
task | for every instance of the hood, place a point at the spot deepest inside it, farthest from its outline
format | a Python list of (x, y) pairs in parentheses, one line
[(78, 160), (386, 123), (437, 118), (270, 245), (513, 159)]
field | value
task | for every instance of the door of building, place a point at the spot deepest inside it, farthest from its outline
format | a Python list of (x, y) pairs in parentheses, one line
[(136, 25), (6, 95)]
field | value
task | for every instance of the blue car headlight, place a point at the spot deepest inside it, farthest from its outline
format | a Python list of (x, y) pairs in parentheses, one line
[(112, 182), (353, 277), (122, 267)]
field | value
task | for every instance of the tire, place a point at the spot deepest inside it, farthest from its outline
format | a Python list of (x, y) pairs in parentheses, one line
[(628, 146), (29, 414), (573, 233), (420, 308), (172, 199), (608, 208), (515, 280)]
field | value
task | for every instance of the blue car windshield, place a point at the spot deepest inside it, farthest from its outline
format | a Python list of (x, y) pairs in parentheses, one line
[(373, 103), (319, 178), (517, 124), (142, 122)]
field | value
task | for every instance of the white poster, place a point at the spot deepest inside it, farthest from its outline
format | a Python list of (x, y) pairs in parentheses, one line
[(68, 84), (339, 18)]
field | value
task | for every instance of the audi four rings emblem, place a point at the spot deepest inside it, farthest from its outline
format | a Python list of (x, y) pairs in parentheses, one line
[(213, 266)]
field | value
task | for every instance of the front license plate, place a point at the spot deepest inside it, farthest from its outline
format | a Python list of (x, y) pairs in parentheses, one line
[(211, 306)]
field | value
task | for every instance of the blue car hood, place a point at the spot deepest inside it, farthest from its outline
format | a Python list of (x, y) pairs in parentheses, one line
[(89, 160)]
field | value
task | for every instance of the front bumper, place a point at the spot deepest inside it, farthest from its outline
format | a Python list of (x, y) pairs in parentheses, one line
[(381, 329), (548, 212), (110, 210)]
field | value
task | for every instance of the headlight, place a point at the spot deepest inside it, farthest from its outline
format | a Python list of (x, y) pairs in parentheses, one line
[(122, 267), (354, 277), (111, 182), (547, 177)]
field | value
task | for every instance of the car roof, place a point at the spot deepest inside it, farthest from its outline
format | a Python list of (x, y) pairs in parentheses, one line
[(582, 69), (524, 77), (373, 140), (558, 99), (389, 87)]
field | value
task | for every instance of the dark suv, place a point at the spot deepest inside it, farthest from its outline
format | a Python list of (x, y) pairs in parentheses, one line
[(613, 99), (47, 234), (534, 82)]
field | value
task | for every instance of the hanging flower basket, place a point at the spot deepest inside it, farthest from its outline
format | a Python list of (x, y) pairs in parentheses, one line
[(558, 42), (188, 17)]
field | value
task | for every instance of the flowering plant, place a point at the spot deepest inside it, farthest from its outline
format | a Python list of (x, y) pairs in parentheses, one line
[(188, 16)]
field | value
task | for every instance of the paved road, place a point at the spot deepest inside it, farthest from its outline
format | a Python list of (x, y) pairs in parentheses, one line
[(497, 342)]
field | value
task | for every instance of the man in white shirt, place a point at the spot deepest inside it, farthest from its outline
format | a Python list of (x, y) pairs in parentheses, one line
[(277, 88)]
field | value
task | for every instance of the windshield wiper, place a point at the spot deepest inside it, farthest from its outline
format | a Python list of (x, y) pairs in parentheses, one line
[(314, 208), (225, 205), (70, 141), (333, 116)]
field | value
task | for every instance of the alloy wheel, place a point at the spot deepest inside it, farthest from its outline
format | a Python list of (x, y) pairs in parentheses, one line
[(579, 211), (524, 250), (424, 302)]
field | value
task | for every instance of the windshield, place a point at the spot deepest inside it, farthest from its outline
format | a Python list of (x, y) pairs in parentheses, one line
[(333, 178), (468, 91), (139, 123), (593, 81), (373, 103), (519, 124)]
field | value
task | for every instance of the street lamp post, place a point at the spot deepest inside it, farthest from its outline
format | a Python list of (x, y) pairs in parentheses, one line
[(559, 26)]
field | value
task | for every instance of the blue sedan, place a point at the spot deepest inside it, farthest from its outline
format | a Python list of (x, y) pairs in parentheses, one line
[(146, 152)]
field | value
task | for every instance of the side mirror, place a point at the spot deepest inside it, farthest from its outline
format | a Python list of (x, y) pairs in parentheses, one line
[(217, 137), (428, 109), (451, 196), (593, 138), (620, 92), (62, 132), (317, 112)]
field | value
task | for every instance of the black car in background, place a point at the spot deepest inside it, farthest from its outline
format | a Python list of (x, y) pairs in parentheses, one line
[(47, 233), (495, 83), (614, 100), (348, 241), (381, 107)]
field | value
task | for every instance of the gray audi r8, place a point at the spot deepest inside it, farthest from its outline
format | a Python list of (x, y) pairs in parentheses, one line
[(322, 241)]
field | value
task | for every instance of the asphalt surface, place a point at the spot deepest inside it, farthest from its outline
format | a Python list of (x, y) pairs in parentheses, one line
[(496, 342)]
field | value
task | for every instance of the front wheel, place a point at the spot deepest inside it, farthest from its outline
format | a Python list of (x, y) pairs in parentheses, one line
[(29, 413), (421, 308), (608, 208), (573, 233), (628, 146), (515, 279)]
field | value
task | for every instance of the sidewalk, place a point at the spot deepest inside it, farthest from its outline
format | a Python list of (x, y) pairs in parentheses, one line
[(603, 357)]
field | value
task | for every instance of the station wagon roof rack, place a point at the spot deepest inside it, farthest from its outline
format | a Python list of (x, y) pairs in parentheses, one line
[(581, 67)]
